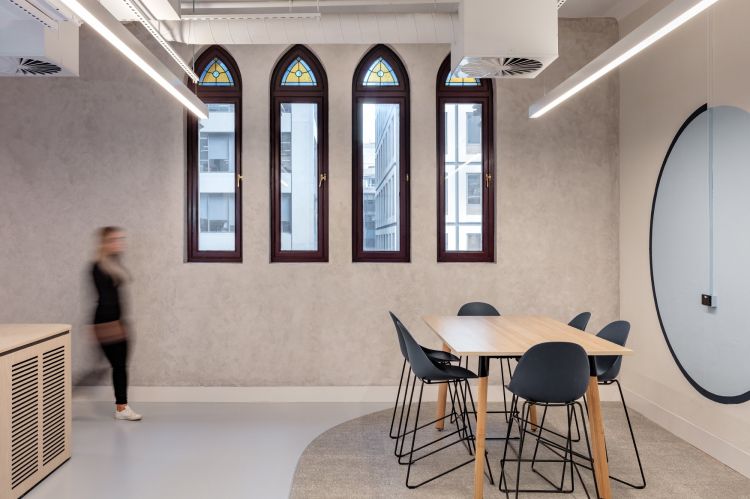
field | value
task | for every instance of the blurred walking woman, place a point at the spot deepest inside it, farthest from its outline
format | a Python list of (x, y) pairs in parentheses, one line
[(110, 326)]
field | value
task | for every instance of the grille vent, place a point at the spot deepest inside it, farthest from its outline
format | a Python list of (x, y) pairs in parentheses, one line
[(53, 404), (499, 67), (20, 66), (24, 420), (515, 66)]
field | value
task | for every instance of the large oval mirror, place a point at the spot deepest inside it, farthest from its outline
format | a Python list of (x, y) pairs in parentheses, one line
[(700, 252)]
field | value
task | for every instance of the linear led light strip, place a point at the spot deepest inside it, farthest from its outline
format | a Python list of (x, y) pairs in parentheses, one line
[(154, 72), (157, 36), (670, 18)]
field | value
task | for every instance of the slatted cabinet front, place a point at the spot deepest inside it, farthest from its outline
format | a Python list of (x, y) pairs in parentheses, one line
[(35, 414)]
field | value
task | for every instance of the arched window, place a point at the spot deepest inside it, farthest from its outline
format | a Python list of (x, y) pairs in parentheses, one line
[(214, 155), (299, 158), (466, 182), (380, 103)]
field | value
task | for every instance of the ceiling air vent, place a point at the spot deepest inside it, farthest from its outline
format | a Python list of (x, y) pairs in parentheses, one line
[(505, 38), (19, 66), (507, 67), (37, 38)]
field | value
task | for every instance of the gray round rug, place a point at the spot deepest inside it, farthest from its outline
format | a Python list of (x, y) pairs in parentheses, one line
[(355, 460)]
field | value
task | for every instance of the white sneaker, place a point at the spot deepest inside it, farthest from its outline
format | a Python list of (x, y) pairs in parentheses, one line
[(128, 414)]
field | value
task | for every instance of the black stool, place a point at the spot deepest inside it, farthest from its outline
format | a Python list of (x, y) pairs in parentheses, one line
[(580, 321), (607, 370), (430, 372), (436, 355), (554, 374)]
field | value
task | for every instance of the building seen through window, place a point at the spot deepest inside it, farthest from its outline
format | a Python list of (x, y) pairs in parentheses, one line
[(380, 178), (216, 181), (463, 177)]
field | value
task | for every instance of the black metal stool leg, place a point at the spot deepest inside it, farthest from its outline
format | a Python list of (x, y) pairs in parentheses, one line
[(635, 446), (502, 480), (398, 397), (414, 435), (522, 424), (400, 451)]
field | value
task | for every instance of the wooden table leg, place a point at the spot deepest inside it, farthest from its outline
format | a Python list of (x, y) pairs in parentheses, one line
[(532, 418), (480, 435), (601, 467), (442, 396)]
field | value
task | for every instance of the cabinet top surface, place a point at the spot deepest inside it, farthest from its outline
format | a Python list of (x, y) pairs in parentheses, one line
[(14, 336)]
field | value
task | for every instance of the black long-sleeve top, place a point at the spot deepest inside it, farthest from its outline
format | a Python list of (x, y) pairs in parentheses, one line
[(108, 306)]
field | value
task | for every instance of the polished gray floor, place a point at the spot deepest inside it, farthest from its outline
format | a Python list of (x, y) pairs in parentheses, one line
[(218, 451)]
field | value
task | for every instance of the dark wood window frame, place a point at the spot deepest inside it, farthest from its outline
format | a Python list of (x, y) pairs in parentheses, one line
[(482, 94), (213, 95), (317, 94), (397, 94)]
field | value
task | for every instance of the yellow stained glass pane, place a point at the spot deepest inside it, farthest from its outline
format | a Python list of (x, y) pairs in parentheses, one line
[(298, 74), (380, 73), (455, 80), (216, 74)]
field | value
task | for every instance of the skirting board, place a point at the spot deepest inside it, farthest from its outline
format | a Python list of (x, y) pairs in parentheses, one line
[(718, 448), (282, 394)]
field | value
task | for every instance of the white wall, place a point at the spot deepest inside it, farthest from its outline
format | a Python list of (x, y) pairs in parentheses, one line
[(659, 89), (108, 148)]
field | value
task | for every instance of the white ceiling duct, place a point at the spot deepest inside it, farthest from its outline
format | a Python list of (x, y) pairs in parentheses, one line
[(37, 38), (319, 6), (505, 38), (326, 29)]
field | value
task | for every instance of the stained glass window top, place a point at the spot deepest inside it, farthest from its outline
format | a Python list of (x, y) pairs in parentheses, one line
[(380, 74), (455, 81), (299, 74), (216, 74)]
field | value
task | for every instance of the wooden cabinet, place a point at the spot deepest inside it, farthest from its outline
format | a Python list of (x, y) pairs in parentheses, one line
[(35, 404)]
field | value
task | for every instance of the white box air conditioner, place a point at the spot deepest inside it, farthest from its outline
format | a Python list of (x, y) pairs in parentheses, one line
[(505, 38), (37, 38)]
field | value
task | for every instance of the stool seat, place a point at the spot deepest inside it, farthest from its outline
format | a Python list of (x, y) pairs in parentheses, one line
[(440, 355), (451, 373)]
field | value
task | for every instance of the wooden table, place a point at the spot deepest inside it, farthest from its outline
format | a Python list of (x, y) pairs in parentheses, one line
[(511, 336)]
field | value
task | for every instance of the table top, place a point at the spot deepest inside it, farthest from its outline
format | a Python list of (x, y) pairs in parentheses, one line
[(14, 336), (512, 335)]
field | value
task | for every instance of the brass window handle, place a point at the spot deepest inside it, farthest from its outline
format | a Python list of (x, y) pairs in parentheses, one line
[(487, 179), (323, 178), (239, 178)]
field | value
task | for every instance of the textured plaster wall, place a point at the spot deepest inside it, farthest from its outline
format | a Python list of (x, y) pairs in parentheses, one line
[(659, 90), (108, 148)]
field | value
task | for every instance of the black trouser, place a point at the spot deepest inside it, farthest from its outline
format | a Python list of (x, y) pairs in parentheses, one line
[(117, 354)]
